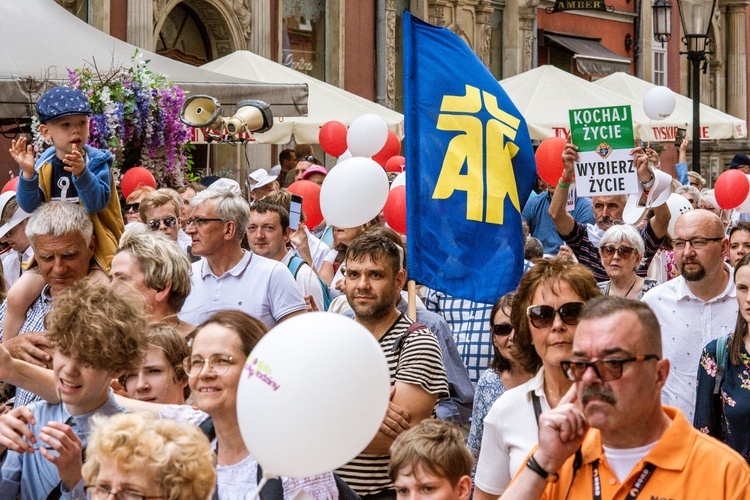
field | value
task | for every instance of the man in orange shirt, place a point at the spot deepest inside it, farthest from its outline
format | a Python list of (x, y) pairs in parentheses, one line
[(610, 437)]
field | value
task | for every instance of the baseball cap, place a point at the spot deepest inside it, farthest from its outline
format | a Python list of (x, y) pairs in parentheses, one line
[(16, 218), (316, 169), (62, 101), (738, 161)]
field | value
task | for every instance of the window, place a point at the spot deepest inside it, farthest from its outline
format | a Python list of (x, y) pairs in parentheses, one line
[(658, 61), (303, 36)]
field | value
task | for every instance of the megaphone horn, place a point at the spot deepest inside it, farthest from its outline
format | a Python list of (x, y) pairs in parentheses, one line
[(201, 111), (251, 115)]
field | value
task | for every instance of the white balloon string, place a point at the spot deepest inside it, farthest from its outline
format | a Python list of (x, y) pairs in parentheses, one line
[(266, 477)]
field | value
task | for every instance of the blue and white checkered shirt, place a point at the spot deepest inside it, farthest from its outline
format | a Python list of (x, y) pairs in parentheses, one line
[(34, 322), (470, 324)]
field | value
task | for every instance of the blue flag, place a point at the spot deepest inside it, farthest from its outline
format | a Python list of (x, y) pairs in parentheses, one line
[(470, 169)]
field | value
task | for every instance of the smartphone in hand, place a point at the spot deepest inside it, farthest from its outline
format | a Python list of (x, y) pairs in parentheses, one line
[(295, 211)]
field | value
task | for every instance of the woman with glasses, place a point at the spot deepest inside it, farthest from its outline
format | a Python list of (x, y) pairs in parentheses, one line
[(621, 249), (132, 457), (504, 372), (722, 407), (545, 312), (133, 204)]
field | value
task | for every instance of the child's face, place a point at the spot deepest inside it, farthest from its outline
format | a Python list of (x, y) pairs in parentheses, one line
[(82, 388), (65, 132), (423, 484)]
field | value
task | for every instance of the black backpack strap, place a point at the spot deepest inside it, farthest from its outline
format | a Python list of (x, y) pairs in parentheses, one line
[(207, 426), (416, 326), (272, 490)]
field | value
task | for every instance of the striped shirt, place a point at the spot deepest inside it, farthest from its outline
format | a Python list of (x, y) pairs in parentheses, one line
[(417, 362), (588, 254)]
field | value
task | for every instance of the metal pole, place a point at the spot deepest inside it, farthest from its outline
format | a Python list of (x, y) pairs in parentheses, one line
[(696, 58)]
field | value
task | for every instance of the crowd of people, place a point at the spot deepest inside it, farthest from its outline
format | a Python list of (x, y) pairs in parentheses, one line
[(127, 322)]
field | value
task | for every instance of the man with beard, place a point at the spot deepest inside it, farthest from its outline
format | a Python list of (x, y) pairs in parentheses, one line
[(373, 280), (583, 239), (696, 307), (610, 434)]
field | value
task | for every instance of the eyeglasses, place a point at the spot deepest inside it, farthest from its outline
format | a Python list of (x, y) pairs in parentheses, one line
[(218, 363), (155, 224), (544, 316), (311, 159), (502, 330), (696, 243), (132, 206), (200, 221), (96, 492), (605, 369), (623, 251)]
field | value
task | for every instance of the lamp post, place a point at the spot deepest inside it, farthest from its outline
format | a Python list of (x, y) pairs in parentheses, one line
[(662, 17), (695, 16)]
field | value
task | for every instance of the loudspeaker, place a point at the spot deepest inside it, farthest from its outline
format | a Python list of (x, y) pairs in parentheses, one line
[(202, 111), (251, 115)]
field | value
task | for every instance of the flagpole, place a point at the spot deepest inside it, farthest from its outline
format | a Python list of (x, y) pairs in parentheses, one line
[(411, 308)]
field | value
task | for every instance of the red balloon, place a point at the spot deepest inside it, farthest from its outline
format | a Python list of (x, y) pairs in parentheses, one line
[(395, 164), (11, 185), (310, 193), (391, 148), (332, 138), (135, 178), (731, 189), (549, 165), (395, 209)]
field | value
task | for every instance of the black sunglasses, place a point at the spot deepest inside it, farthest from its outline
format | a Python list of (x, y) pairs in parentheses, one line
[(132, 206), (544, 316), (607, 369), (502, 330), (623, 251), (155, 224)]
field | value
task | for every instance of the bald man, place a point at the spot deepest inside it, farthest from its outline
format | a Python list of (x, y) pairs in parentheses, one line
[(698, 306)]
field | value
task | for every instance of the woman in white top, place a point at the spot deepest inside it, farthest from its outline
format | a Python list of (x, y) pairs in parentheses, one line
[(545, 313)]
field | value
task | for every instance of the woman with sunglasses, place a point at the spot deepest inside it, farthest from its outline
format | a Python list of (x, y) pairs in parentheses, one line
[(133, 203), (725, 414), (504, 372), (545, 312), (621, 249)]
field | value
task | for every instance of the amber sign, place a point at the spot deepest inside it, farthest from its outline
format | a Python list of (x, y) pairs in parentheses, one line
[(564, 5)]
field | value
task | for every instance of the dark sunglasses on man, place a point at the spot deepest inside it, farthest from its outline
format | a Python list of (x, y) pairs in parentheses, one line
[(155, 224)]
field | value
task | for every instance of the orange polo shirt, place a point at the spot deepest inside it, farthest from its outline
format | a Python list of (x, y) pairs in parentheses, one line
[(689, 464)]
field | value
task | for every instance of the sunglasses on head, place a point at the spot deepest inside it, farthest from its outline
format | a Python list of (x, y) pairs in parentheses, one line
[(311, 159), (623, 251), (502, 330), (132, 206), (155, 224), (544, 316)]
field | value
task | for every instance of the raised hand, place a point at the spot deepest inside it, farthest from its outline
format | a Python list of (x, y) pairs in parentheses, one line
[(23, 154)]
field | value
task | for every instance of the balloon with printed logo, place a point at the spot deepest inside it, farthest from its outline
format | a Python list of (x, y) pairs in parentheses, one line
[(549, 164), (311, 409), (310, 193), (731, 189), (391, 148), (659, 103), (678, 205), (367, 135), (395, 164), (332, 138), (395, 209), (134, 178), (11, 185), (354, 192)]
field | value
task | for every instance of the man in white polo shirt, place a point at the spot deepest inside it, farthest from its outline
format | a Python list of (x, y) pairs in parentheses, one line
[(229, 277)]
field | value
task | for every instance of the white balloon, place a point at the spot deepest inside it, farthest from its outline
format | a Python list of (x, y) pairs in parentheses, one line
[(678, 205), (659, 103), (367, 135), (399, 180), (345, 156), (312, 395), (354, 192)]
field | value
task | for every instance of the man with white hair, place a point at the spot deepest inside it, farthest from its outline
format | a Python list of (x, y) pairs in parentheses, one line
[(229, 277), (13, 232)]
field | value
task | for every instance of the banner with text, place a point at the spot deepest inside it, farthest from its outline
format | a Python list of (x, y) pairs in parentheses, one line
[(604, 137)]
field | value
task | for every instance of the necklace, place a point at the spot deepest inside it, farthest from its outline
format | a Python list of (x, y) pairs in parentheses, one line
[(631, 287)]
